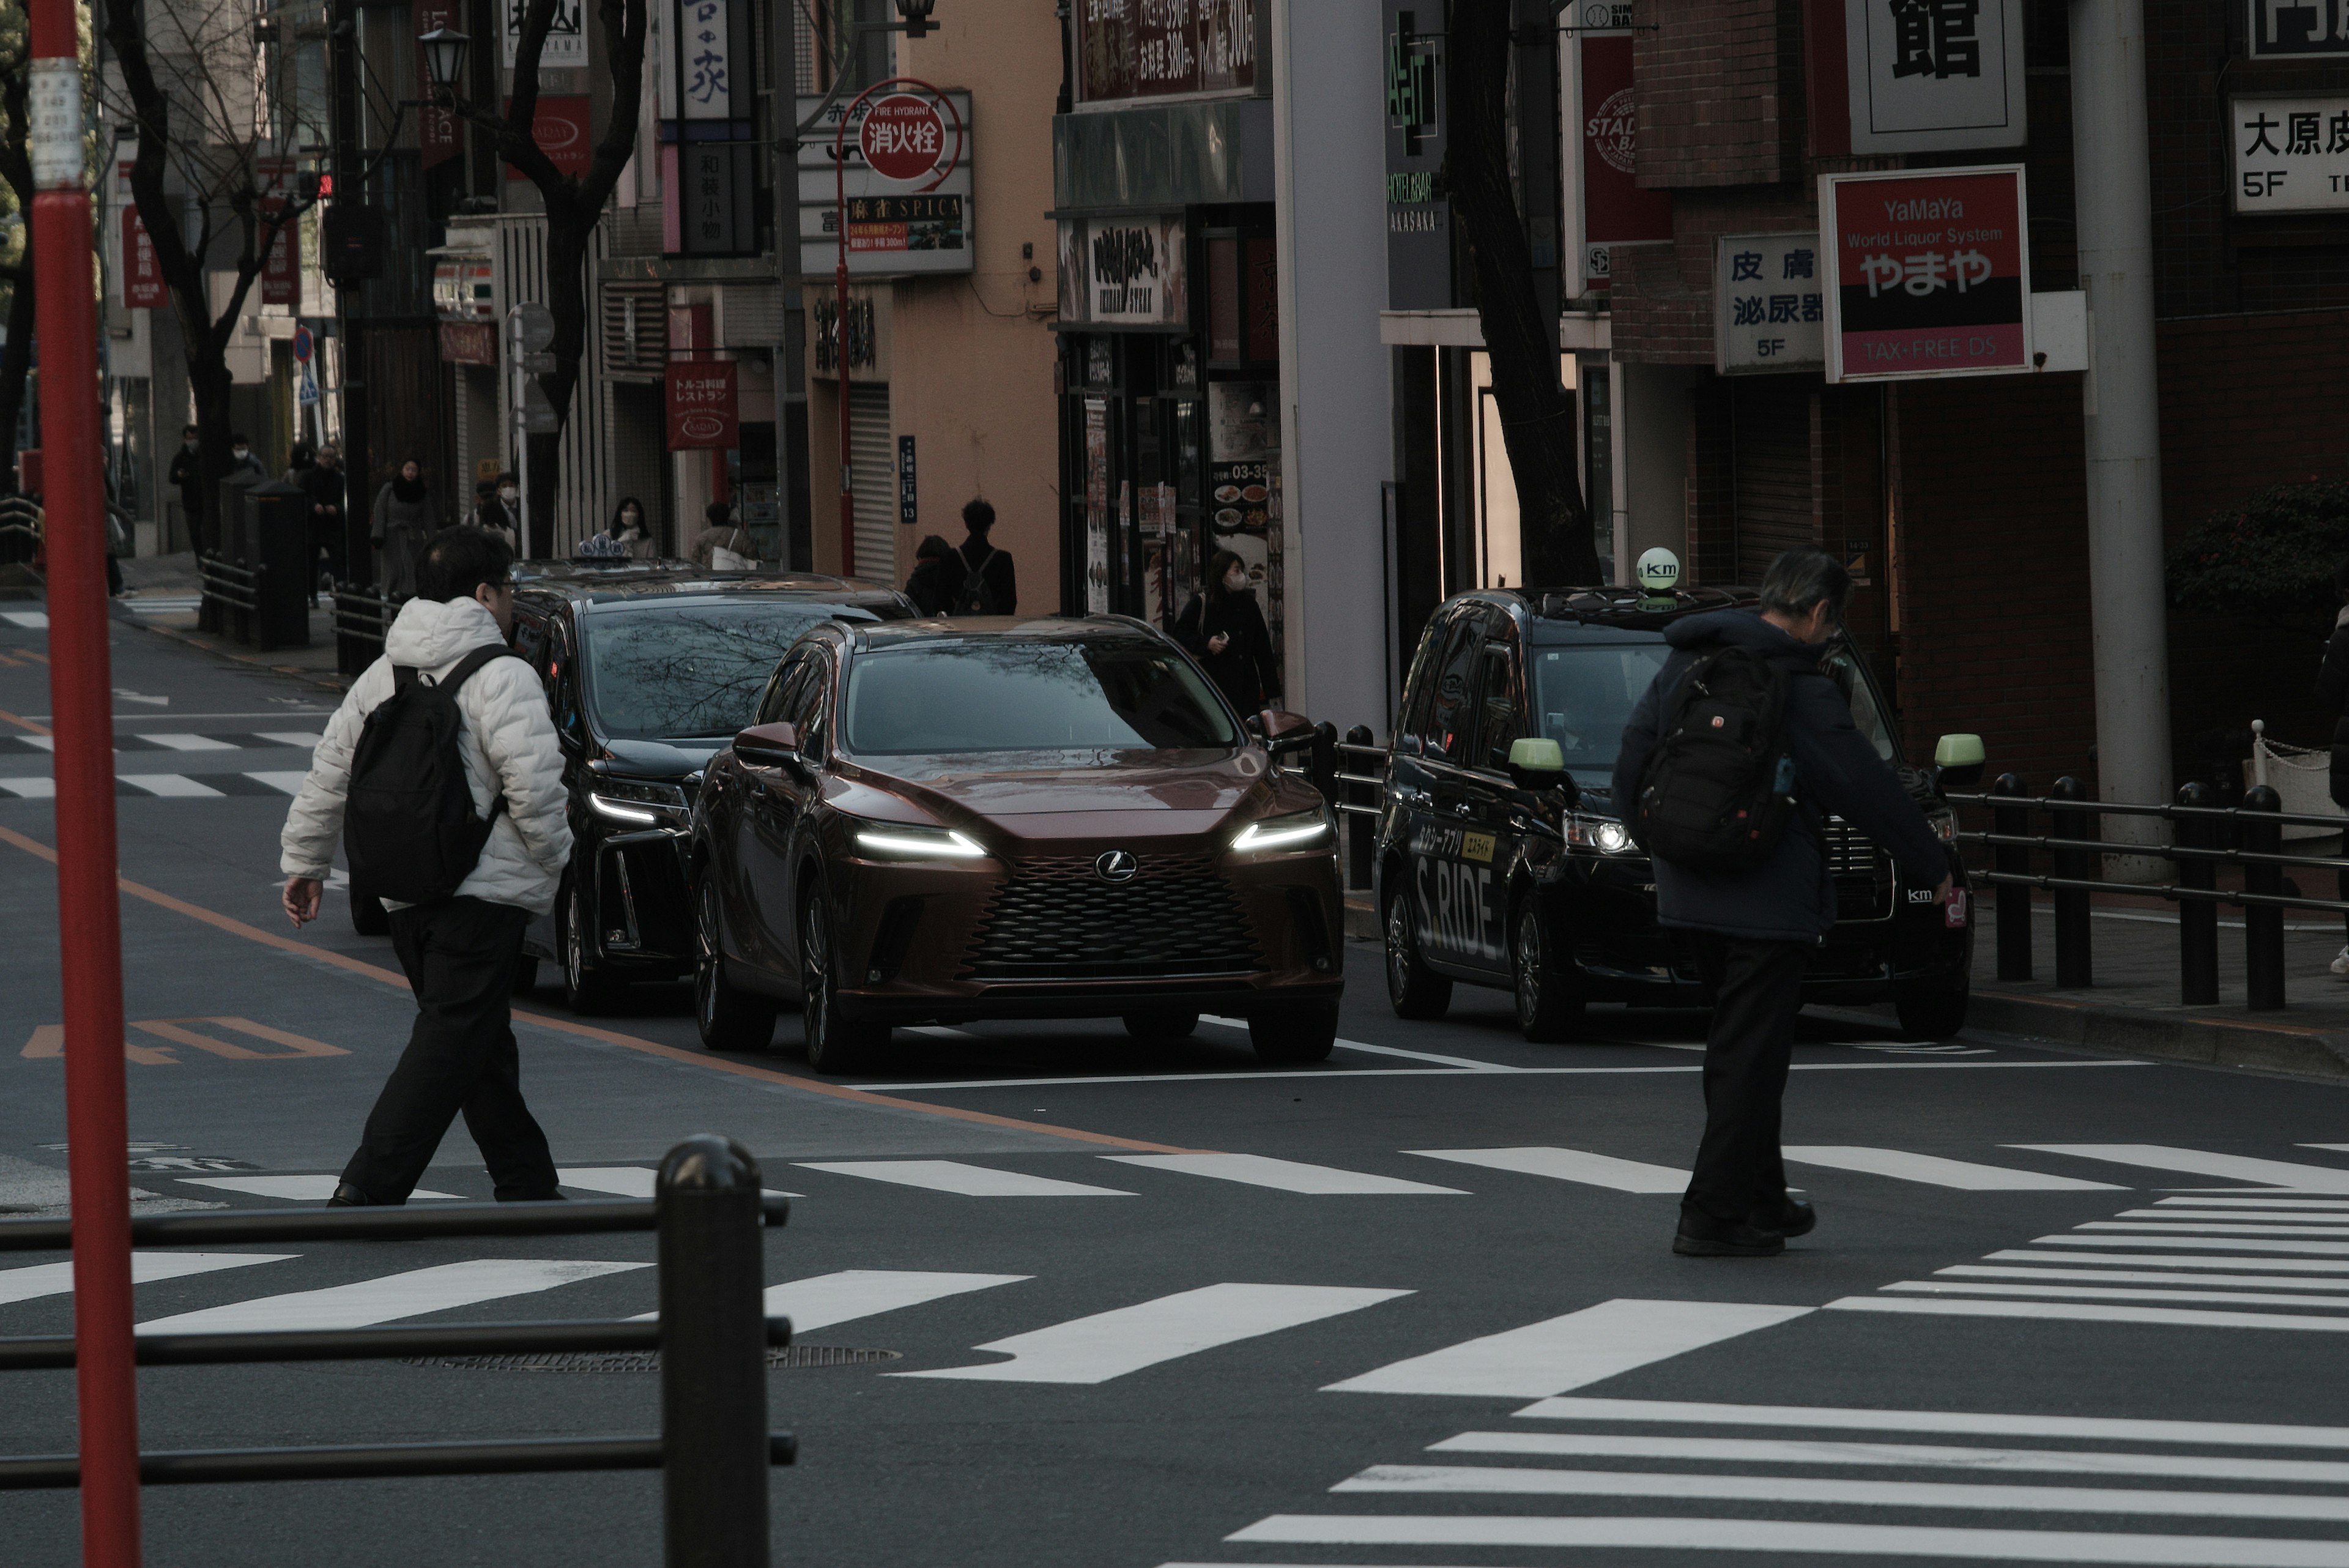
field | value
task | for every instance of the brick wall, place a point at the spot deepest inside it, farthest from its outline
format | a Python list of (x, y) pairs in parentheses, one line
[(1662, 308), (1711, 503), (1720, 92)]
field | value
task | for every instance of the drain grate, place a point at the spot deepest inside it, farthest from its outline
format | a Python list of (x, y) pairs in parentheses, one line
[(646, 1360)]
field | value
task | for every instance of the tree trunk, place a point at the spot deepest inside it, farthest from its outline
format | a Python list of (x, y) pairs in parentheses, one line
[(568, 230), (1536, 419)]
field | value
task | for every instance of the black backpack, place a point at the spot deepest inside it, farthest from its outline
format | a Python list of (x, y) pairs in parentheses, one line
[(976, 595), (1718, 788), (409, 828)]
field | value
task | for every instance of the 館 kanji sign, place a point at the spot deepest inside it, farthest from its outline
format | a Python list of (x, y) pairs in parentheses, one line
[(1769, 304), (1929, 274), (2290, 152)]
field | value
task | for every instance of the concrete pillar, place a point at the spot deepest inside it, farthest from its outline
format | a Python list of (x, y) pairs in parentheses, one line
[(2113, 193)]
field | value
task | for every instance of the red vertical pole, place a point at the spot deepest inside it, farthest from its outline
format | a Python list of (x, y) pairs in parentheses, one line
[(840, 342), (89, 932)]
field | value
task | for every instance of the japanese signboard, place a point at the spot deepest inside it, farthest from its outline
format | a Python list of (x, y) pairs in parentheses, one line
[(703, 406), (1124, 272), (2295, 29), (1164, 48), (909, 511), (1605, 206), (896, 226), (469, 342), (1769, 304), (142, 273), (1930, 273), (1419, 221), (2290, 152), (560, 129), (566, 45), (709, 37), (707, 206), (464, 288), (1915, 76), (436, 128), (280, 266)]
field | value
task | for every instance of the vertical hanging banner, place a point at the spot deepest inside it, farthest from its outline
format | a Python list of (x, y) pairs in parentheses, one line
[(436, 128), (281, 267), (1605, 206), (1929, 275), (704, 407), (706, 33), (143, 274)]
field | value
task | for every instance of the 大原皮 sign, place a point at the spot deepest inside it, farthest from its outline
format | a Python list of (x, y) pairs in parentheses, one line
[(1769, 304), (1929, 274), (703, 406), (2290, 152)]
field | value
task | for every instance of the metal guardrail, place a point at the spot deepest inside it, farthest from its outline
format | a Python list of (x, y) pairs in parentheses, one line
[(226, 583), (2075, 856), (714, 1448), (21, 521)]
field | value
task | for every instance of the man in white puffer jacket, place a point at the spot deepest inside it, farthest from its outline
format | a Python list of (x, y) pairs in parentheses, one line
[(461, 952)]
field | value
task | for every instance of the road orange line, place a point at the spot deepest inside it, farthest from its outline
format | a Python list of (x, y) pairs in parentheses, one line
[(237, 928), (8, 718)]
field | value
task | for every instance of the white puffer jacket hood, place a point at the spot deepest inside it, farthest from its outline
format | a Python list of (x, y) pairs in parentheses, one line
[(508, 746)]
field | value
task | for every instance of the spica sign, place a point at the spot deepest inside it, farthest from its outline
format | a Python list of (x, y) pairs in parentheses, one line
[(2290, 152)]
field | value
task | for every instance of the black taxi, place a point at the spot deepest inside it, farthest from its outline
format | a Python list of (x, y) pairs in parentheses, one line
[(1502, 859)]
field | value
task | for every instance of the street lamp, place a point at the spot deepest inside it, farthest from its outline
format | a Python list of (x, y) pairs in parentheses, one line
[(444, 58), (916, 16)]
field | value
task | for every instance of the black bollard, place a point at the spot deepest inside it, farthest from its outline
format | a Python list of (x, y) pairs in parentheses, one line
[(2074, 971), (1361, 831), (2014, 897), (2262, 923), (715, 1450), (2198, 919)]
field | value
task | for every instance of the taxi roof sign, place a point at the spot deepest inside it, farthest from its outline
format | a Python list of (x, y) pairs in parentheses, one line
[(1658, 570)]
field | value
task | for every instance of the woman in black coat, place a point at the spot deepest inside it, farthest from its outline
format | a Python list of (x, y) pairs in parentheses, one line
[(1226, 633), (937, 577)]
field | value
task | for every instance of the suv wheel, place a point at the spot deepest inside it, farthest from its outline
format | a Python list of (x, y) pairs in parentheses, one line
[(1549, 1004), (725, 1018), (1933, 1015), (585, 988), (1306, 1031), (1416, 991), (835, 1044)]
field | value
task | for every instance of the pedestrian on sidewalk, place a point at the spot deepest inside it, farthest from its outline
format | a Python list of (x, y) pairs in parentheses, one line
[(187, 472), (405, 520), (628, 531), (461, 952), (937, 577), (1225, 630), (241, 458), (988, 587), (322, 481), (1754, 929), (719, 537), (2332, 691)]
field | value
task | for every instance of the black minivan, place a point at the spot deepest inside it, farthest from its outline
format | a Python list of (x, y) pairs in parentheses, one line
[(1495, 873)]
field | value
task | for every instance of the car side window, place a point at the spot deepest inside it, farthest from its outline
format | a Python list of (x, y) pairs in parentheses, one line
[(811, 711), (1499, 705), (771, 701), (784, 692), (1447, 728), (562, 676)]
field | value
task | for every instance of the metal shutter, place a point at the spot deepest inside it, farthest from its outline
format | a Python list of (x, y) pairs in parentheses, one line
[(749, 315), (636, 329), (875, 455), (1773, 433)]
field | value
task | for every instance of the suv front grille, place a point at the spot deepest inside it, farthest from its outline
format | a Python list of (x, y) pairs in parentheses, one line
[(1054, 919), (1862, 873)]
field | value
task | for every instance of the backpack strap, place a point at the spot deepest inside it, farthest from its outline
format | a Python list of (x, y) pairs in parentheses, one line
[(464, 673)]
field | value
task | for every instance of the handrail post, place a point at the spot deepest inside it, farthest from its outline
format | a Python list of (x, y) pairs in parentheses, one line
[(714, 1444), (2074, 970), (2014, 897), (1322, 761), (1360, 830), (2198, 919), (2262, 923)]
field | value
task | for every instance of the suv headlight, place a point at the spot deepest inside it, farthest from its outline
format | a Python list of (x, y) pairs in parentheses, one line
[(1943, 822), (1603, 834), (642, 804), (1300, 830), (902, 841)]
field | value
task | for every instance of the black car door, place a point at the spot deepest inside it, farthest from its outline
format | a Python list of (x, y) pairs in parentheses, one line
[(767, 849), (1491, 821), (1448, 925)]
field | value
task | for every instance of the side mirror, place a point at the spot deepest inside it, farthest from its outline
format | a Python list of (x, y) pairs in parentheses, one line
[(769, 745), (1538, 762), (1282, 730), (1959, 760)]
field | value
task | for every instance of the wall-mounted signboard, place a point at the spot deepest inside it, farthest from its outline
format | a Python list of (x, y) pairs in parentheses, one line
[(1605, 206), (1124, 272), (2295, 29), (903, 216), (2290, 152), (1915, 76), (1164, 48), (1769, 304), (1929, 274)]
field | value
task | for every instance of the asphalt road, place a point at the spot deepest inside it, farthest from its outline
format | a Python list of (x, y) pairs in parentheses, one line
[(1123, 1319)]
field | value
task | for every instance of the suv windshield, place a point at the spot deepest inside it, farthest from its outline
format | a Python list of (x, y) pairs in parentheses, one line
[(1029, 697), (1584, 698), (689, 670)]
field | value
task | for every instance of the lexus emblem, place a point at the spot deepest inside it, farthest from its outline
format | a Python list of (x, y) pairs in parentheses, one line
[(1116, 866)]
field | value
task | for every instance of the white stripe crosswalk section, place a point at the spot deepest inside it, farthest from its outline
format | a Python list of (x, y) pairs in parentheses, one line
[(955, 1176), (1283, 1175), (440, 1288), (38, 1280), (1568, 1352)]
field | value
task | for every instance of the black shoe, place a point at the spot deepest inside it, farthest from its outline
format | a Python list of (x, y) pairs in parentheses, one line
[(1702, 1236), (348, 1197), (1796, 1218)]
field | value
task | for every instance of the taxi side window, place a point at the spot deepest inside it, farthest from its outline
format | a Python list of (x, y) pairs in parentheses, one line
[(1501, 724), (561, 677), (1447, 728)]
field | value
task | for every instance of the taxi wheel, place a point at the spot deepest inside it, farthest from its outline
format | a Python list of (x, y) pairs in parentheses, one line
[(835, 1044), (1161, 1025), (1416, 991), (726, 1019), (1549, 1005), (1303, 1034), (586, 989), (1934, 1014)]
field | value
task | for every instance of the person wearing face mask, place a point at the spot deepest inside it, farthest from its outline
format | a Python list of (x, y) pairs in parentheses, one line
[(240, 459), (322, 481), (406, 517), (628, 530), (497, 508), (187, 472), (1226, 633)]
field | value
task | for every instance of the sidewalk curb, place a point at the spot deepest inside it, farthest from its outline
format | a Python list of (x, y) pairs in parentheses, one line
[(205, 645), (2171, 1037)]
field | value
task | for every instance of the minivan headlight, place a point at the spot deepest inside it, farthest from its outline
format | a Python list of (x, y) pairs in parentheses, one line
[(1300, 830), (1603, 834), (900, 841), (643, 805)]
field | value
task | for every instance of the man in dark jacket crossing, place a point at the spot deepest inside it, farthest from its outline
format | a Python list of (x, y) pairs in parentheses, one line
[(1754, 931)]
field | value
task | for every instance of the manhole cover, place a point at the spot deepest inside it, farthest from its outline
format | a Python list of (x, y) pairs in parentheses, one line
[(646, 1360)]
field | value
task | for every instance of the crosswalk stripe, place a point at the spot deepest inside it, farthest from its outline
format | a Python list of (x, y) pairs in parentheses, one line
[(1568, 1352), (2146, 1277), (173, 786), (2116, 1292), (146, 1268), (2276, 1173), (1283, 1175), (2183, 1317), (1968, 1423), (2263, 1218), (31, 621), (290, 1188), (1113, 1343), (31, 789), (1892, 1455), (623, 1181), (2168, 1260), (2223, 1243), (2255, 1205), (823, 1300), (1934, 1171), (289, 782), (1512, 1481), (1777, 1535), (1568, 1165), (180, 741), (303, 740), (440, 1288), (38, 742), (954, 1176), (2205, 1228)]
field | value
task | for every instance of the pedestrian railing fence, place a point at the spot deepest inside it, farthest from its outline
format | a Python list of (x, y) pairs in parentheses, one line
[(20, 529), (361, 617), (2065, 857), (714, 1448)]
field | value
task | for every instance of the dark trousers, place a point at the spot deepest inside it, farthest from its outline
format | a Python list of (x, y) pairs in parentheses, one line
[(460, 955), (1758, 990)]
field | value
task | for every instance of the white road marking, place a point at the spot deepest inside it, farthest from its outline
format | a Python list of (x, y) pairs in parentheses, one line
[(1183, 1077), (2203, 1228), (1511, 1480), (1111, 1344), (303, 740), (39, 742), (180, 741), (292, 1188), (1569, 1165), (2265, 1218), (1286, 1175), (2168, 1260), (146, 1268), (2092, 1428), (1775, 1535), (2116, 1292), (1902, 1166), (2146, 1277), (2276, 1173), (623, 1181), (31, 789), (2314, 1248), (409, 1294), (2181, 1317), (953, 1175), (1562, 1353), (290, 783), (31, 621), (2286, 1205), (1469, 1063), (1894, 1456), (174, 786), (823, 1300)]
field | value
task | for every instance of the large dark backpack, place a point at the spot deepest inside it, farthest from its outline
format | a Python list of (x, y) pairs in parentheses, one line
[(409, 828), (976, 596), (1718, 788)]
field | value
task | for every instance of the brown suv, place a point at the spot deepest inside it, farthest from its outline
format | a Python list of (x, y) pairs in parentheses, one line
[(939, 821)]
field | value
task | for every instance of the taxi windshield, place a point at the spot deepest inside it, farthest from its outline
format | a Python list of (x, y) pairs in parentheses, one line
[(685, 671), (1029, 696), (1584, 696)]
